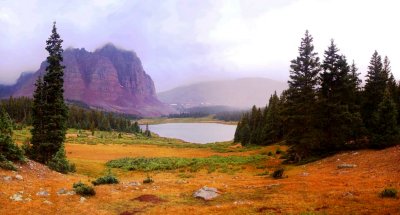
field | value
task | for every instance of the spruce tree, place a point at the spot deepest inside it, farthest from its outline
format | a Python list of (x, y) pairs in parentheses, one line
[(37, 131), (384, 121), (337, 114), (374, 89), (301, 98), (50, 111)]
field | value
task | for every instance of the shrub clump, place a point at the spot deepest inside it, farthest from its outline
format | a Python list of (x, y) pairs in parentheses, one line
[(83, 189), (173, 163), (108, 179), (389, 193), (60, 163), (278, 173)]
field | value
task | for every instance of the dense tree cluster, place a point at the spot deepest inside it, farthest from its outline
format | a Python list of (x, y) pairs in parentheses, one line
[(325, 109), (80, 118), (20, 111)]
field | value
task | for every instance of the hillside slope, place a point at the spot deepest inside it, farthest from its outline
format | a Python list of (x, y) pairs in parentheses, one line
[(242, 93)]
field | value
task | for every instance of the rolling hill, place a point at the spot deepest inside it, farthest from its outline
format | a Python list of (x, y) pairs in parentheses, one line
[(242, 93)]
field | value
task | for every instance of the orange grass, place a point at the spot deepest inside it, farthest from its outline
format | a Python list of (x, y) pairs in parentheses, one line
[(326, 190)]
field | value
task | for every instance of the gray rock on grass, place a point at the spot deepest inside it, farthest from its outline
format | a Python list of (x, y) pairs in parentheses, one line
[(206, 193)]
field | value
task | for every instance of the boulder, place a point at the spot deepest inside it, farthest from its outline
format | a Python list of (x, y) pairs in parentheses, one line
[(19, 177), (43, 193), (206, 193), (17, 197), (7, 178)]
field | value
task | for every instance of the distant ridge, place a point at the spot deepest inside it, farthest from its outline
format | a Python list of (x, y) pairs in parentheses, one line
[(242, 93)]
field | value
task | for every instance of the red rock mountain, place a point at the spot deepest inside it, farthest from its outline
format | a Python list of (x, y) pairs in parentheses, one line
[(109, 78)]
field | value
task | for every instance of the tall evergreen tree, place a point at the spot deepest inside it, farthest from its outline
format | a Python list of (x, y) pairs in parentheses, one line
[(49, 130), (374, 89), (37, 131), (337, 114), (301, 98)]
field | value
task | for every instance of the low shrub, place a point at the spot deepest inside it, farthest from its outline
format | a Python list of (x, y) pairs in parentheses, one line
[(278, 151), (389, 193), (60, 163), (7, 165), (278, 173), (108, 179), (148, 180), (83, 189)]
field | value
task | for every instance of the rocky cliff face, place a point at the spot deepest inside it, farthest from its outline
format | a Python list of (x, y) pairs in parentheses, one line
[(109, 78)]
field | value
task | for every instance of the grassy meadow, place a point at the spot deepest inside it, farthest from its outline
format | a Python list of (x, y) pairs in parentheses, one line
[(242, 175)]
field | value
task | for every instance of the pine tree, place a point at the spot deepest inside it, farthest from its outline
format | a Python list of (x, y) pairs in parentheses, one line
[(374, 89), (301, 98), (50, 111)]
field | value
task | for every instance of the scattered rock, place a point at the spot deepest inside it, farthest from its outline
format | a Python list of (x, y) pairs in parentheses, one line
[(304, 174), (82, 199), (7, 178), (149, 198), (19, 177), (355, 153), (65, 192), (28, 199), (348, 194), (206, 193), (47, 202), (271, 186), (42, 193), (134, 183), (346, 165), (17, 197)]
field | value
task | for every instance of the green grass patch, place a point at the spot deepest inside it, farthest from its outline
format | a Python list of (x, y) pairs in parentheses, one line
[(193, 164)]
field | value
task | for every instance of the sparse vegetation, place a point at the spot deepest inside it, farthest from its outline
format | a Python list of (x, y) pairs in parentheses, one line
[(83, 189)]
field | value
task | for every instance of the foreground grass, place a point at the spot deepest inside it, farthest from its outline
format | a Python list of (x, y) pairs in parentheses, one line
[(193, 164)]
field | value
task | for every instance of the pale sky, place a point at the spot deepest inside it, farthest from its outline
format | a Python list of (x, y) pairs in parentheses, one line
[(184, 41)]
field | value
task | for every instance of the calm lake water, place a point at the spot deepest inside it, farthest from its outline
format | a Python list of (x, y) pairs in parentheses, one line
[(195, 132)]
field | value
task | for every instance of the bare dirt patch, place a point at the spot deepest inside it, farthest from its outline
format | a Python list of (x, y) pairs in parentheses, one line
[(149, 198)]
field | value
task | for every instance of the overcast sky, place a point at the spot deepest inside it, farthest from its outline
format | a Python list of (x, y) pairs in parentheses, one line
[(186, 41)]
